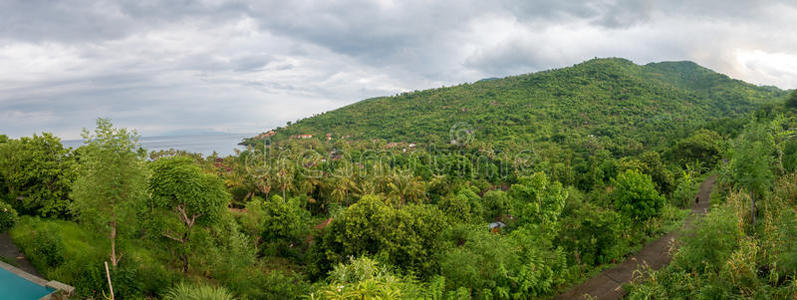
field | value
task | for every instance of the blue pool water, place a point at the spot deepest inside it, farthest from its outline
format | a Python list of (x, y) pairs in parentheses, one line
[(13, 287)]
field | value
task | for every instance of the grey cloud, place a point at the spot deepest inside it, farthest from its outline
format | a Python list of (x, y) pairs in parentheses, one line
[(251, 65), (87, 20)]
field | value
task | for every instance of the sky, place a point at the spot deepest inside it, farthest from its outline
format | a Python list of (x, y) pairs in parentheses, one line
[(167, 67)]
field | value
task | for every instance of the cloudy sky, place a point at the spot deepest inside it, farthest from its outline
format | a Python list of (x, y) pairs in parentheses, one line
[(238, 66)]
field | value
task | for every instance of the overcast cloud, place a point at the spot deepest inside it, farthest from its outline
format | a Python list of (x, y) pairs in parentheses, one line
[(238, 66)]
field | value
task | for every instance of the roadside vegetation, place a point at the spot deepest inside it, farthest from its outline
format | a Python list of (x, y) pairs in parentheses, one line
[(746, 247)]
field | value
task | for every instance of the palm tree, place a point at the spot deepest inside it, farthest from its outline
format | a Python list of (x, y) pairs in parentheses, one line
[(264, 182), (284, 178), (404, 187), (340, 189)]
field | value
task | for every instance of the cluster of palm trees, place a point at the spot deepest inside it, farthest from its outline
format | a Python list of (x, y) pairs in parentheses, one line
[(342, 181)]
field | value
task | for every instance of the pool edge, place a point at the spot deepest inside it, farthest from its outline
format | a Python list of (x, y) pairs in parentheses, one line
[(65, 289)]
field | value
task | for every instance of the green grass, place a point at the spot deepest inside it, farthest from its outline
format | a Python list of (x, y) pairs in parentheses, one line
[(65, 251), (10, 261)]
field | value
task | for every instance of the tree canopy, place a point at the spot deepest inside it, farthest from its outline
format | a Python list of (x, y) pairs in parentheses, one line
[(112, 181)]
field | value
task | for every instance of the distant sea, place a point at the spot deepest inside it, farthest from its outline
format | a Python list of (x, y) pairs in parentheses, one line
[(223, 143)]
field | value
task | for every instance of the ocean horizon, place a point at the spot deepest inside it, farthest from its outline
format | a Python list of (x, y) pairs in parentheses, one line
[(223, 144)]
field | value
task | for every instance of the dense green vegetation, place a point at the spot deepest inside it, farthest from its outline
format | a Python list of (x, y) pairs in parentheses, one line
[(615, 101), (511, 188), (746, 246)]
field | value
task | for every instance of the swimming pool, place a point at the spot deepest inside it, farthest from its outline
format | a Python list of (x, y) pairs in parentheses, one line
[(14, 287)]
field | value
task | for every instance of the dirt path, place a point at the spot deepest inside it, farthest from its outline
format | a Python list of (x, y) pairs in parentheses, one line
[(609, 283), (12, 253)]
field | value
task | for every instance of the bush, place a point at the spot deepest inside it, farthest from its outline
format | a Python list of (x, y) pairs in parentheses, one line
[(792, 101), (183, 291), (496, 204), (49, 248), (457, 207), (405, 237), (703, 146), (8, 217), (284, 225), (592, 234), (537, 200), (365, 278), (474, 257), (635, 196), (685, 191), (712, 241)]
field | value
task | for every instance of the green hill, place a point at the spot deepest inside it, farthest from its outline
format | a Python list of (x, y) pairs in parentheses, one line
[(601, 98)]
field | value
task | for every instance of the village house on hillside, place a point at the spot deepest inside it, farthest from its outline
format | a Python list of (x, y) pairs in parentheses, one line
[(265, 135)]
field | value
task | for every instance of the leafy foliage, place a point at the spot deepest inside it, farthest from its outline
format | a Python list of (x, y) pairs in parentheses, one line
[(792, 101), (284, 223), (702, 146), (64, 251), (365, 278), (502, 189), (184, 291), (635, 196), (8, 217), (37, 173), (537, 200), (592, 234), (186, 196), (112, 181), (604, 98), (727, 255), (406, 237)]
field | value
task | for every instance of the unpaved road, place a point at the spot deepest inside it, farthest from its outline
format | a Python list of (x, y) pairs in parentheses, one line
[(11, 252), (609, 283)]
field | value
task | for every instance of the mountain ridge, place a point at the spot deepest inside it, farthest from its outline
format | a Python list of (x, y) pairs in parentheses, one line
[(599, 97)]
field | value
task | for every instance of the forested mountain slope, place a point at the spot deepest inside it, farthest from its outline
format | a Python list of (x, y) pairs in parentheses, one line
[(612, 98)]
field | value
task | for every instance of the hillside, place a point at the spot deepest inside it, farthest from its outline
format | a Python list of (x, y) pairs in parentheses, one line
[(612, 98)]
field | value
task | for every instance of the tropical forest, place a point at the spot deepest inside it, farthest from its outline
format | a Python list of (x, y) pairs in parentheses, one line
[(671, 180)]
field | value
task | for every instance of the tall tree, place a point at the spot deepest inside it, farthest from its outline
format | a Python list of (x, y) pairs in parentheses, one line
[(112, 180), (180, 190), (284, 176), (751, 162)]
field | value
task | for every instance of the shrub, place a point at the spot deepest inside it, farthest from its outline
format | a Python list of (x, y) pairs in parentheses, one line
[(792, 101), (480, 265), (8, 217), (537, 200), (703, 146), (712, 241), (592, 234), (183, 291), (635, 195), (283, 224), (496, 203), (405, 237), (49, 248), (365, 278), (685, 191), (475, 257), (456, 206)]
